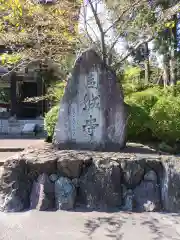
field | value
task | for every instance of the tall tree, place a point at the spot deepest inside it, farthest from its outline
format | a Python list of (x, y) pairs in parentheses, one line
[(137, 22)]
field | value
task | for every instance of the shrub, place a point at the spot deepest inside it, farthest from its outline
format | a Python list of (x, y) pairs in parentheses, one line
[(139, 124), (145, 99), (164, 147), (50, 121), (56, 91), (130, 88), (166, 115), (131, 80)]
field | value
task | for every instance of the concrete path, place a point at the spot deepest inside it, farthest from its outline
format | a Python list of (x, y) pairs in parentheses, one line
[(84, 226), (19, 143), (10, 147), (5, 155)]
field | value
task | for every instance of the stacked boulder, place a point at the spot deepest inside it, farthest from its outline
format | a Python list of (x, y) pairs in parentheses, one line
[(49, 179)]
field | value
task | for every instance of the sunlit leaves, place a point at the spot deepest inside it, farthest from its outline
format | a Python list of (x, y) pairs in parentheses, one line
[(37, 29), (9, 59), (170, 24)]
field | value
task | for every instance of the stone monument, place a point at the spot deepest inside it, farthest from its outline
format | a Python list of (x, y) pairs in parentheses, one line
[(92, 113)]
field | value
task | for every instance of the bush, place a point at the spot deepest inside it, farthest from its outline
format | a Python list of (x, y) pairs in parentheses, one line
[(131, 80), (166, 115), (145, 99), (139, 124), (51, 120), (130, 88), (56, 91)]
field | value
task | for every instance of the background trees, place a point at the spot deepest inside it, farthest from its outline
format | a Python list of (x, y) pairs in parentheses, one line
[(139, 39), (32, 31)]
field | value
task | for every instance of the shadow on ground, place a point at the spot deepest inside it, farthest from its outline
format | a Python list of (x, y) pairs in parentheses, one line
[(155, 226)]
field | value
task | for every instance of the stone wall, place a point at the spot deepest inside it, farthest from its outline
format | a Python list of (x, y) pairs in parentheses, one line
[(46, 178)]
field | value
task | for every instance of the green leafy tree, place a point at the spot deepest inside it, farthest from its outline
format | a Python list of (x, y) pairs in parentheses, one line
[(37, 31)]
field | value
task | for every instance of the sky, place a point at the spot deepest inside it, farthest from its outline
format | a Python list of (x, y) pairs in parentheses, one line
[(93, 28)]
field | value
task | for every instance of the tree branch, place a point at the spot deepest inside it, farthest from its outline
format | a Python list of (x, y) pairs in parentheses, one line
[(165, 16), (132, 50), (122, 14), (86, 23), (98, 22), (17, 66)]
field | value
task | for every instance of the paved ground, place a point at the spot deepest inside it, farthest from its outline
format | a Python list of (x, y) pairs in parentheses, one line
[(18, 143), (5, 155), (9, 147), (84, 226)]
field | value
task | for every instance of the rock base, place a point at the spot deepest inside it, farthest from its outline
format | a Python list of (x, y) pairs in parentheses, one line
[(47, 179)]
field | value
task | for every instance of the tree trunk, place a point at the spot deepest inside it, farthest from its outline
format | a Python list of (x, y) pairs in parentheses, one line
[(173, 53), (13, 82), (166, 72), (147, 71), (146, 64)]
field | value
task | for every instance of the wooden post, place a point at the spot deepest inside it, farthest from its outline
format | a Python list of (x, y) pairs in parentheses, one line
[(39, 93), (13, 80)]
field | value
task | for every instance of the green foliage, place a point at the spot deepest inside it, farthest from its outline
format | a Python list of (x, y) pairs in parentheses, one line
[(166, 116), (56, 92), (9, 59), (145, 99), (154, 113), (39, 31), (164, 147), (51, 120), (132, 73), (139, 124), (173, 90), (4, 95), (131, 80)]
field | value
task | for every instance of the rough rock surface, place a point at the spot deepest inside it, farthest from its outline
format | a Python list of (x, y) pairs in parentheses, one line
[(150, 176), (70, 165), (42, 194), (132, 172), (65, 194), (14, 184), (147, 195), (99, 179), (41, 161), (92, 111), (128, 200), (171, 185), (100, 187), (11, 202), (53, 177)]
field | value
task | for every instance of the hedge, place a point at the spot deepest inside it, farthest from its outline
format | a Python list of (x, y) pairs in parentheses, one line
[(166, 116), (139, 124), (145, 99), (51, 120)]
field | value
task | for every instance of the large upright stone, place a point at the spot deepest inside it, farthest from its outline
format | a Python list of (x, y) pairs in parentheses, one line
[(92, 111)]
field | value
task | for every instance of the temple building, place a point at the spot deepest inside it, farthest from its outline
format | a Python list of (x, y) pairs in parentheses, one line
[(16, 87)]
